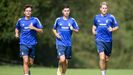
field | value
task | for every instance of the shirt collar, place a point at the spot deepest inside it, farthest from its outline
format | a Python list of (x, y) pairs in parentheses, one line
[(104, 15), (28, 19)]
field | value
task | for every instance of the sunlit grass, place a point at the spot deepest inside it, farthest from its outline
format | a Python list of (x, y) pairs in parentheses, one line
[(18, 70)]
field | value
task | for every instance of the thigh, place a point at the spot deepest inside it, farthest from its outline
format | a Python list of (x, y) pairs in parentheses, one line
[(25, 59), (102, 56), (68, 52), (60, 50), (108, 48), (100, 46), (32, 51), (24, 50)]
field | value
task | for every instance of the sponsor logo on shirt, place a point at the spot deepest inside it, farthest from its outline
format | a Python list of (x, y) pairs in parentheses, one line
[(26, 27), (65, 27), (103, 24)]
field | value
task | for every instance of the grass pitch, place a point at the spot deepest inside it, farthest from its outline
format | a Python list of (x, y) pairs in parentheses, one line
[(18, 70)]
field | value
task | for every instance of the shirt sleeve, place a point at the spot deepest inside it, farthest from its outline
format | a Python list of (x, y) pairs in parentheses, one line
[(39, 25), (114, 22), (75, 25), (94, 21), (56, 23), (18, 24)]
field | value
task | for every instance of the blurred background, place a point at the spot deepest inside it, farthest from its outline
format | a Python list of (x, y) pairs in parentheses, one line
[(84, 50)]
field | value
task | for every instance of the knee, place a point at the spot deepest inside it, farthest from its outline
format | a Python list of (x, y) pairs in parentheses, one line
[(102, 59), (62, 60), (107, 59), (26, 62), (31, 63)]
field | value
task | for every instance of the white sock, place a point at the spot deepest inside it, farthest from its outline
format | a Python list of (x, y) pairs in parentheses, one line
[(26, 74), (59, 70), (103, 72)]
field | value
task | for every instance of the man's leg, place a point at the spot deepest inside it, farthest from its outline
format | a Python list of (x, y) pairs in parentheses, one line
[(31, 61), (31, 56), (65, 65), (102, 63), (26, 65), (61, 66), (59, 69), (68, 54)]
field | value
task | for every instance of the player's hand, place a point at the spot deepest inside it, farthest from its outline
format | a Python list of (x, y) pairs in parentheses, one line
[(94, 32), (110, 29), (58, 36), (31, 26), (17, 35), (71, 27)]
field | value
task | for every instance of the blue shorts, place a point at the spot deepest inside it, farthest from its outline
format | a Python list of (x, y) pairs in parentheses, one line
[(64, 50), (105, 47), (27, 50)]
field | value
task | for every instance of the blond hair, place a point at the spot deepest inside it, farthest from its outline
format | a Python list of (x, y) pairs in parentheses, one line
[(103, 3)]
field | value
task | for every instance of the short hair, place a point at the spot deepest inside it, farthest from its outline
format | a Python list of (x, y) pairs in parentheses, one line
[(27, 6), (103, 3), (65, 6)]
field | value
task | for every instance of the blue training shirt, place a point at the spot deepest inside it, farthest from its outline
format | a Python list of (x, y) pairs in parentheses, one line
[(63, 28), (28, 36), (102, 24)]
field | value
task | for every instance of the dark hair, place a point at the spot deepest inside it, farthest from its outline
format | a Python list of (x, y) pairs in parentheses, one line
[(27, 6), (65, 6)]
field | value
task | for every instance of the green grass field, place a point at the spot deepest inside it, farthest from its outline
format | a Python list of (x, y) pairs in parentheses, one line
[(17, 70)]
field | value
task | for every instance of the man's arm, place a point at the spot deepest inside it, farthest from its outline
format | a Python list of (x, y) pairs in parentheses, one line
[(115, 24), (56, 34), (94, 29), (16, 33), (113, 29), (75, 30), (36, 29), (71, 28)]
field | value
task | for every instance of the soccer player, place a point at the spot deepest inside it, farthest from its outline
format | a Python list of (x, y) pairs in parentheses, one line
[(62, 29), (26, 30), (104, 25)]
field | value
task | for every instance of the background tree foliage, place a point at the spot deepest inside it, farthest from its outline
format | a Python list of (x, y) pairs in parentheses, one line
[(84, 50)]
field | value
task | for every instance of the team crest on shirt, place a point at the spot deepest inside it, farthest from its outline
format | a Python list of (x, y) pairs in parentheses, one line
[(107, 21), (22, 24), (60, 24), (98, 21)]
